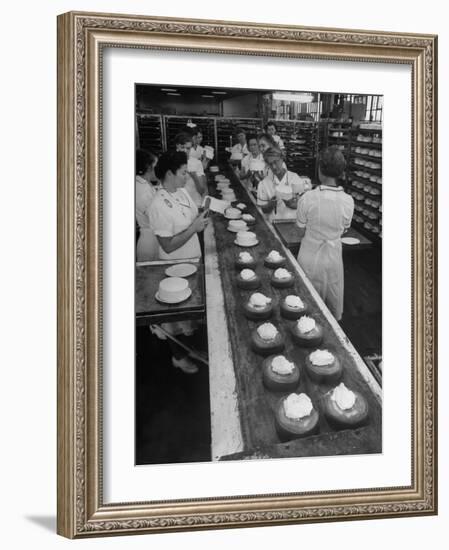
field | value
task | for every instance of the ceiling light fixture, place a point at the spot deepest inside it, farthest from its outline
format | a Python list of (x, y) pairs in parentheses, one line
[(172, 93), (220, 93), (169, 89), (299, 98), (205, 95)]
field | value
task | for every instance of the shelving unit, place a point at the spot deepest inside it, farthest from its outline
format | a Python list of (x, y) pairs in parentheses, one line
[(225, 128), (175, 124), (339, 133), (150, 132), (364, 178)]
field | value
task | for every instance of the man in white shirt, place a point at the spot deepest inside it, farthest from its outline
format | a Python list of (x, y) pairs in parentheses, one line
[(278, 192), (196, 184)]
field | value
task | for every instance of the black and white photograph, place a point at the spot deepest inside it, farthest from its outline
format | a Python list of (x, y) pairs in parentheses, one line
[(258, 282)]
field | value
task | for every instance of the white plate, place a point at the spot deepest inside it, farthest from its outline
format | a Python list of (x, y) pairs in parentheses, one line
[(350, 240), (246, 245), (181, 270), (187, 294)]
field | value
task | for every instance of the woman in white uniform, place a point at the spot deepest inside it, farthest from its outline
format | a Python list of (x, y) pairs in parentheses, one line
[(271, 130), (147, 248), (196, 184), (277, 193), (252, 164), (324, 214), (176, 224)]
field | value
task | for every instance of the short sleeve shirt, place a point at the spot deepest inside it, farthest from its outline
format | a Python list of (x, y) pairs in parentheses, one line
[(170, 214), (195, 165)]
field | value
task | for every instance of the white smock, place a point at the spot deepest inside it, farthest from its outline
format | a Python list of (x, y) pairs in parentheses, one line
[(170, 214), (147, 249), (268, 190), (326, 212)]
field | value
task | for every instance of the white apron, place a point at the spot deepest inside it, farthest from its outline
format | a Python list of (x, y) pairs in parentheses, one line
[(327, 212)]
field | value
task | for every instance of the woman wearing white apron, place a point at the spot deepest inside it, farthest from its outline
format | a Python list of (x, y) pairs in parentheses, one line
[(325, 214), (176, 222), (147, 245)]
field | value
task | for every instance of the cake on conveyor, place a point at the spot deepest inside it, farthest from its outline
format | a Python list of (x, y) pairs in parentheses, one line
[(233, 213), (274, 260), (296, 417), (246, 238), (292, 307), (282, 278), (248, 279), (307, 332), (280, 374), (249, 219), (245, 259), (237, 225), (323, 367), (267, 340), (259, 307), (344, 408), (241, 206)]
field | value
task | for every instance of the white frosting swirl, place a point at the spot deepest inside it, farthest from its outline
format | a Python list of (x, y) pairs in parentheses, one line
[(281, 365), (282, 273), (245, 257), (297, 406), (306, 324), (259, 300), (248, 217), (241, 205), (294, 302), (267, 331), (321, 357), (247, 274), (343, 397), (274, 256)]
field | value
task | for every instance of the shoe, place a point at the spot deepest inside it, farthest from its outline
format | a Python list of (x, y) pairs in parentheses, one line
[(185, 364)]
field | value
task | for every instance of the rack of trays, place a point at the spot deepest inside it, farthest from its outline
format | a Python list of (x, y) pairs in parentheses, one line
[(339, 133), (364, 178), (175, 124), (150, 132), (301, 148), (225, 130)]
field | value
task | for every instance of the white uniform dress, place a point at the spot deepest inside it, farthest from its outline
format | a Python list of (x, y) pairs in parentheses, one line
[(325, 213), (147, 245), (196, 166), (239, 148), (171, 213), (271, 187), (278, 140), (197, 152)]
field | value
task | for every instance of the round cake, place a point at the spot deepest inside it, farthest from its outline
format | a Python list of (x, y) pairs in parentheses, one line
[(248, 279), (274, 260), (246, 238), (282, 278), (344, 408), (237, 225), (223, 185), (245, 259), (249, 219), (292, 307), (228, 195), (259, 307), (307, 332), (280, 374), (323, 367), (233, 213), (241, 206), (173, 289), (296, 417), (267, 340), (214, 168)]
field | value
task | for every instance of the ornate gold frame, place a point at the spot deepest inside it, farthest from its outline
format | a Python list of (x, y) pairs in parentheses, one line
[(81, 37)]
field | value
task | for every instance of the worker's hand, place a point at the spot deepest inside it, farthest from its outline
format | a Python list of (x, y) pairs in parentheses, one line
[(291, 203), (268, 206), (200, 222)]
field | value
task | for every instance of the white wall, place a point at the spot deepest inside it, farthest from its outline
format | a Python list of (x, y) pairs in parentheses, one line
[(28, 296)]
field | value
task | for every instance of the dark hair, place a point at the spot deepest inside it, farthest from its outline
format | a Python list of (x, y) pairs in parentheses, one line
[(267, 138), (169, 161), (250, 137), (238, 131), (144, 159), (332, 162), (182, 138), (269, 123), (273, 152)]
